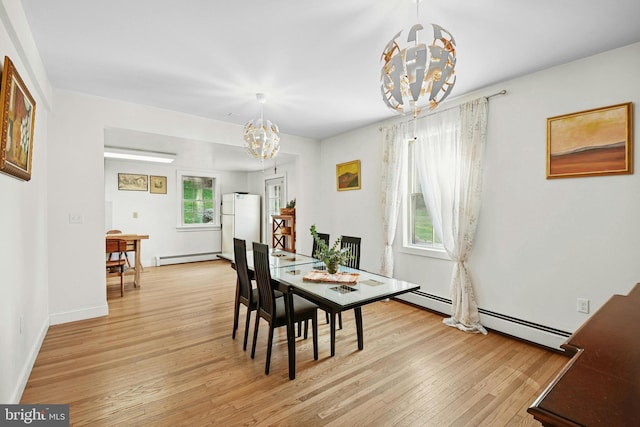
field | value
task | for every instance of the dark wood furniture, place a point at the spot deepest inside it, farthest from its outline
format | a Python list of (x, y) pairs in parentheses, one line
[(324, 237), (353, 243), (273, 309), (600, 385), (246, 294)]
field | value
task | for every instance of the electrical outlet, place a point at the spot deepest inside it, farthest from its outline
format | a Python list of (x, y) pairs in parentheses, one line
[(583, 305), (75, 218)]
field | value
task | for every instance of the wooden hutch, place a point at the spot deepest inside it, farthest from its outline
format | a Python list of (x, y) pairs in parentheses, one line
[(283, 231)]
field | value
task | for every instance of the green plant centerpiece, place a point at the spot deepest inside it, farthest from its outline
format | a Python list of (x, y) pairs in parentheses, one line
[(331, 256)]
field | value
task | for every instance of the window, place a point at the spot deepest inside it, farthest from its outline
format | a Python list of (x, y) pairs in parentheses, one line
[(198, 196), (419, 231)]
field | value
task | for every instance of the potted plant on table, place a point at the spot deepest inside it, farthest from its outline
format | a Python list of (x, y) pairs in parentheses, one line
[(290, 209), (331, 256)]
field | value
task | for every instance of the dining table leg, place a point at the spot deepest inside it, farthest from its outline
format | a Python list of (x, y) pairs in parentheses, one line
[(138, 264), (332, 327), (358, 314), (291, 336)]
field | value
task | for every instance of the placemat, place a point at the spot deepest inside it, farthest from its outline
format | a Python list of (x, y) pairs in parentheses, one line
[(372, 282), (318, 276)]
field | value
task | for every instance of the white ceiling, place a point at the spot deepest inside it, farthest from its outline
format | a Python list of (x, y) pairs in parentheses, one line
[(317, 61), (193, 154)]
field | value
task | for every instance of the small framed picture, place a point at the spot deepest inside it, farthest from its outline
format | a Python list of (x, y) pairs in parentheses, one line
[(348, 176), (132, 182), (158, 184)]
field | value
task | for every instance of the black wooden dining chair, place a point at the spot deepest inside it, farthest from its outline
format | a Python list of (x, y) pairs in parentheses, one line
[(353, 243), (245, 293), (325, 237), (272, 309), (322, 236)]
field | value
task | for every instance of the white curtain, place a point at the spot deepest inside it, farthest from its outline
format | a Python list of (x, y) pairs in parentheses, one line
[(449, 154), (393, 148)]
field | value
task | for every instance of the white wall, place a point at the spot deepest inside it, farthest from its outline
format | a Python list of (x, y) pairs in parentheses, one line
[(541, 243), (536, 250), (76, 138), (157, 214), (24, 291)]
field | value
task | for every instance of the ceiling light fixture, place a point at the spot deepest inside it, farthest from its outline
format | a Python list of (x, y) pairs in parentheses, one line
[(261, 139), (415, 75), (140, 155)]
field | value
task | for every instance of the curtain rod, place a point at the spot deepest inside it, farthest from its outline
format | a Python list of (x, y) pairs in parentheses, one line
[(502, 92)]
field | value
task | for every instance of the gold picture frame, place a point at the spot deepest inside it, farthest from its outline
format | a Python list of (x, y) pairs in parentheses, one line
[(348, 176), (133, 182), (158, 184), (18, 118), (592, 142)]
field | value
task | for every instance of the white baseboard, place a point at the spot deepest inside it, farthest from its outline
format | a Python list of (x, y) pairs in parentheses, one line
[(85, 313), (180, 259), (25, 372), (501, 324)]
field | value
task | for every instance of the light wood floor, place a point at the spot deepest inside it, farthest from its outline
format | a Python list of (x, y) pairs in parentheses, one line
[(164, 357)]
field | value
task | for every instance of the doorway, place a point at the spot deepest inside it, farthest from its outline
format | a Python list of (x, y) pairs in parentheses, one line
[(274, 199)]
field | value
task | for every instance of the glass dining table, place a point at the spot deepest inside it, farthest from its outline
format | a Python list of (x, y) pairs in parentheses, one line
[(288, 271)]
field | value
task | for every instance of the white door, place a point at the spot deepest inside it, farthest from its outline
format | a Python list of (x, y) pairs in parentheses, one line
[(274, 199)]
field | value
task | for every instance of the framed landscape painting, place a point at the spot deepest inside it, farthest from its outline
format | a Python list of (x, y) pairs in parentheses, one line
[(18, 117), (132, 182), (348, 175), (592, 142)]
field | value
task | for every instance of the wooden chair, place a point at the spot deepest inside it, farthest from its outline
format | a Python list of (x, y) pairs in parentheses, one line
[(116, 246), (272, 309), (125, 253)]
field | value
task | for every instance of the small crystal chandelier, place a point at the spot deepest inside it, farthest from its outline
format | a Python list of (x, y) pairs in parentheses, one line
[(261, 139), (416, 75)]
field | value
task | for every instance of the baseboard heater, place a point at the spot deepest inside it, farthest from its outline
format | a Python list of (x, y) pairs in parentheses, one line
[(529, 331), (180, 259)]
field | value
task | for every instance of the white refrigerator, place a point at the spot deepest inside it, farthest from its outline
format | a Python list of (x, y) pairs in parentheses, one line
[(240, 219)]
